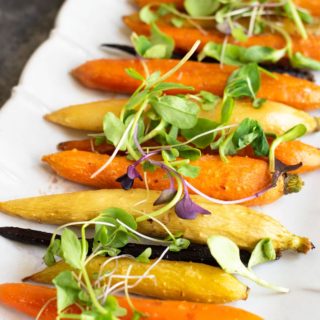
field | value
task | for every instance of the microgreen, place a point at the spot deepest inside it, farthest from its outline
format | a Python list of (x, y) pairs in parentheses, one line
[(241, 19), (144, 256), (113, 228), (198, 8), (249, 132), (232, 54), (158, 45), (292, 134), (227, 254)]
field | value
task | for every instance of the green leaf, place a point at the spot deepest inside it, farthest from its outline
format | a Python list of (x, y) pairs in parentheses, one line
[(53, 250), (146, 15), (165, 86), (258, 103), (263, 252), (113, 129), (67, 290), (119, 214), (244, 82), (209, 100), (177, 22), (236, 55), (158, 51), (134, 74), (177, 111), (293, 13), (198, 8), (227, 254), (158, 37), (188, 170), (298, 60), (250, 132), (261, 54), (188, 152), (144, 256), (239, 34), (98, 141), (227, 109), (202, 126), (71, 249), (179, 244)]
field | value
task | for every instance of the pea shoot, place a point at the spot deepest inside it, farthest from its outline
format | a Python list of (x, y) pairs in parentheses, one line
[(226, 16), (114, 228)]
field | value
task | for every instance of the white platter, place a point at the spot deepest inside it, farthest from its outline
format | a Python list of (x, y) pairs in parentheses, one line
[(45, 85)]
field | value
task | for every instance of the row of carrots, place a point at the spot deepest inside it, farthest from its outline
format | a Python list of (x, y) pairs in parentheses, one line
[(240, 177)]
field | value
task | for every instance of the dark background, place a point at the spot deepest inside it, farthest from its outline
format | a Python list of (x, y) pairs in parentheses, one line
[(24, 24)]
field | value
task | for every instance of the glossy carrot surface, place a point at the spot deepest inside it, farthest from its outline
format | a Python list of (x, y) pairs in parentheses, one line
[(109, 75), (290, 153), (240, 177), (311, 5), (30, 299), (309, 47)]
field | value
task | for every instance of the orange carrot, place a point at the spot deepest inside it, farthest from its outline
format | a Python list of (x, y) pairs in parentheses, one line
[(294, 152), (290, 153), (311, 5), (240, 177), (30, 299), (308, 47), (110, 75)]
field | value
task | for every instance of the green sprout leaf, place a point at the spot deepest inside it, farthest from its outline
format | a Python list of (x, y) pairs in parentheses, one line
[(293, 13), (146, 15), (202, 126), (198, 8), (53, 250), (134, 74), (249, 132), (67, 290), (113, 129), (236, 55), (144, 256), (239, 33), (179, 244), (244, 82), (177, 22), (292, 134), (158, 46), (298, 60), (177, 111), (188, 170), (71, 248), (209, 100), (227, 254), (262, 253)]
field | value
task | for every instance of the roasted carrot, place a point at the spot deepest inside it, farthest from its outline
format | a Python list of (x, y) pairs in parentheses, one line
[(309, 47), (30, 299), (273, 117), (239, 178), (294, 152), (290, 153), (311, 5), (241, 224), (110, 75)]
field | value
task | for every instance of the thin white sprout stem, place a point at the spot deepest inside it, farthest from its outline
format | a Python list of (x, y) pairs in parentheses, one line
[(142, 235), (115, 152), (44, 307), (218, 201), (145, 179)]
